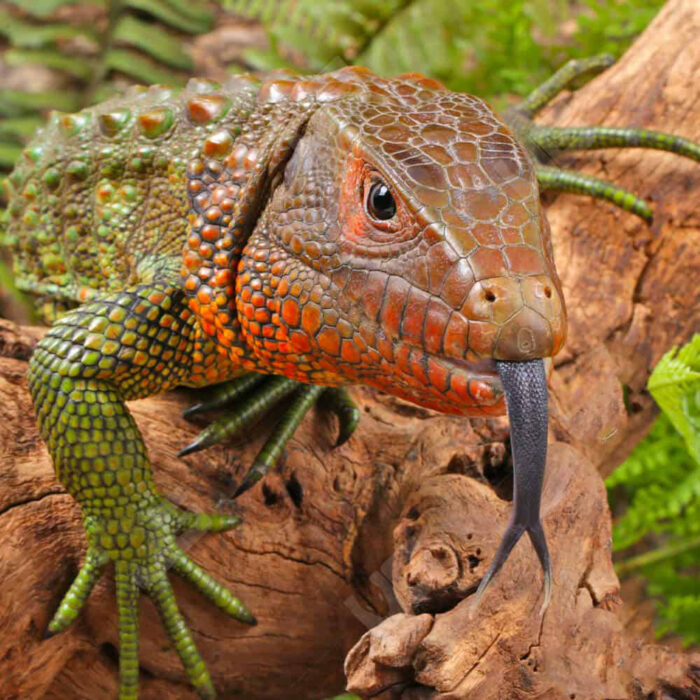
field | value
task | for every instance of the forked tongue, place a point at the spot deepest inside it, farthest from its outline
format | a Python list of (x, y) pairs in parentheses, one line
[(525, 384)]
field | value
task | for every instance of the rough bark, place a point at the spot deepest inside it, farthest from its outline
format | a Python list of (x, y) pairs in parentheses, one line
[(314, 557)]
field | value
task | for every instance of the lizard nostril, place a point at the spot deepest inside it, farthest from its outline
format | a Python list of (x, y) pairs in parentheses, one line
[(489, 295), (548, 292)]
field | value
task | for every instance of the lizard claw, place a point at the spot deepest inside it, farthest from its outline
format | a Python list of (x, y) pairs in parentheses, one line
[(247, 412), (252, 476), (336, 399), (195, 446), (225, 394), (306, 397), (339, 402)]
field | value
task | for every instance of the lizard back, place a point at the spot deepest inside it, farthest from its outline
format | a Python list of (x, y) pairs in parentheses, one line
[(98, 199)]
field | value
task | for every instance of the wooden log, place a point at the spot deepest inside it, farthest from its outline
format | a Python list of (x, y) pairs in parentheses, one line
[(314, 556)]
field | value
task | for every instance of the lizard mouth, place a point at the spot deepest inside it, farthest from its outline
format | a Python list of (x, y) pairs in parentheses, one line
[(478, 381), (448, 384), (486, 367)]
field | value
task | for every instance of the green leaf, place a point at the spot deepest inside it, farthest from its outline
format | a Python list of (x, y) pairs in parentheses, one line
[(14, 103), (20, 128), (153, 40), (675, 385), (78, 67), (106, 90), (264, 59), (192, 17), (194, 9), (681, 615), (660, 482), (264, 11), (43, 8), (29, 35), (140, 67)]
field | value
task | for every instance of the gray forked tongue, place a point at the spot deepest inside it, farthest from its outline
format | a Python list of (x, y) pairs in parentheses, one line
[(525, 385)]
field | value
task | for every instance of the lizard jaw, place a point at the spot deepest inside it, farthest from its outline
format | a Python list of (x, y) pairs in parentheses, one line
[(485, 366), (450, 385)]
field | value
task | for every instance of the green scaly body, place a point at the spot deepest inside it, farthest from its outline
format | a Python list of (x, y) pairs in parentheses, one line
[(102, 199)]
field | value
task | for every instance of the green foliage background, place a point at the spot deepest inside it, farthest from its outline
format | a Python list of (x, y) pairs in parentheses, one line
[(498, 50), (491, 48), (94, 49), (660, 487)]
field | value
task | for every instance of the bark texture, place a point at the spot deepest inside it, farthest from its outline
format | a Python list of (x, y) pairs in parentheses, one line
[(314, 557)]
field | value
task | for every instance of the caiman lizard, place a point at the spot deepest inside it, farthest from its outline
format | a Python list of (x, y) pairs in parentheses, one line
[(285, 236)]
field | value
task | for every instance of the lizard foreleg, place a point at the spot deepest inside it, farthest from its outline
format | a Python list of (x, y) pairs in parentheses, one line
[(125, 346)]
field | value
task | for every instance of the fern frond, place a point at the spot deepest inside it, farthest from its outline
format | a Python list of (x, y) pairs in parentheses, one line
[(486, 47), (29, 35), (152, 40), (15, 103), (675, 385), (263, 60), (20, 128), (319, 36), (139, 67), (76, 67), (145, 41), (661, 480), (191, 17), (264, 11), (44, 8)]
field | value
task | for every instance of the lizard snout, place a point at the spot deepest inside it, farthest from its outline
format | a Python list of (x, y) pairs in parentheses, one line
[(528, 313)]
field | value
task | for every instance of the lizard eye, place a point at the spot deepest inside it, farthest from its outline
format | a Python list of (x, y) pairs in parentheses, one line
[(380, 203)]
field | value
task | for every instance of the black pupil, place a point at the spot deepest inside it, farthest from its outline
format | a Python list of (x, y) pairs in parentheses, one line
[(381, 202)]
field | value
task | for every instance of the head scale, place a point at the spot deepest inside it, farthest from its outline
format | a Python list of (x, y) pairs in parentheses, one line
[(404, 247)]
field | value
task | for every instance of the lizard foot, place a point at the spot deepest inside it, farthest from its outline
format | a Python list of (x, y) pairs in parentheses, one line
[(336, 400), (256, 395), (545, 141), (141, 543)]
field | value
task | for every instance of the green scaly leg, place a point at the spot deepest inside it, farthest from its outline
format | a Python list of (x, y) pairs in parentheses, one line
[(257, 395), (128, 621), (224, 394), (544, 141), (583, 138), (563, 78), (255, 406), (577, 183), (269, 454), (125, 346), (84, 582)]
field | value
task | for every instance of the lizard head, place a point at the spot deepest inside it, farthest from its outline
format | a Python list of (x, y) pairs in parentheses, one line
[(405, 247)]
